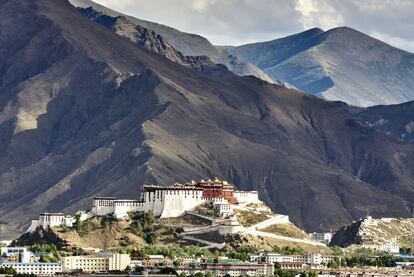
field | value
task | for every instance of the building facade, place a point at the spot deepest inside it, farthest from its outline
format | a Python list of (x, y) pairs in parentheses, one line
[(39, 269), (321, 237), (232, 269), (102, 262), (175, 200), (162, 201), (16, 254), (293, 260)]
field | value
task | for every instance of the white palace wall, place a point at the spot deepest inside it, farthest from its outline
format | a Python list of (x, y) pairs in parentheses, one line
[(162, 203), (247, 196), (177, 202)]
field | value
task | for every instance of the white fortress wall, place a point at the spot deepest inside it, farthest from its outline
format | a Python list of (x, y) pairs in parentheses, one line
[(51, 219), (103, 206), (153, 202), (123, 207), (177, 202), (33, 225), (247, 196)]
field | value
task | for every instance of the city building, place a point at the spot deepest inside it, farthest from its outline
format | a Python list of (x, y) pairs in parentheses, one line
[(293, 265), (153, 261), (321, 237), (292, 260), (391, 247), (16, 254), (221, 267), (101, 262), (36, 268)]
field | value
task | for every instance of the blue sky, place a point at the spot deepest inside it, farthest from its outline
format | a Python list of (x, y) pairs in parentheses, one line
[(235, 22)]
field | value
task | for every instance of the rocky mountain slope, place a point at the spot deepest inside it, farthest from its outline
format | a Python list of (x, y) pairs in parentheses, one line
[(396, 121), (85, 112), (340, 64), (151, 41), (185, 43), (368, 231)]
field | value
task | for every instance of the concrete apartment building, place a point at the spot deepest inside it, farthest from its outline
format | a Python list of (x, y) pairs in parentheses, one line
[(313, 260), (36, 268), (227, 268), (102, 262)]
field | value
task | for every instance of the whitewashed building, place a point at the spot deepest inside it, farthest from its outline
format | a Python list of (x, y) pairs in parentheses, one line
[(391, 247), (51, 220), (162, 201), (247, 196), (20, 252), (309, 258), (38, 269), (321, 237), (101, 262)]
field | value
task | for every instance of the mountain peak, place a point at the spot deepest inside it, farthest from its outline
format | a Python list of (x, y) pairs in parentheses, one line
[(341, 64)]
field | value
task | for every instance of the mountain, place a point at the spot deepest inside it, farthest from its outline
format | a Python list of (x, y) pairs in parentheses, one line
[(185, 43), (396, 121), (85, 112), (369, 231), (340, 64), (150, 40)]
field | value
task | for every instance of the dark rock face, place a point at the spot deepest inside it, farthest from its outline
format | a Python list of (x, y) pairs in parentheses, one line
[(153, 42), (85, 112), (396, 121), (40, 236), (347, 235)]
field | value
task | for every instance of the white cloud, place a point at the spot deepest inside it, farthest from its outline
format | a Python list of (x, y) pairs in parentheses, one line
[(318, 13)]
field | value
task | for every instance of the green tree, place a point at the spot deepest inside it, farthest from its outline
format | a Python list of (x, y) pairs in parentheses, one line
[(7, 271)]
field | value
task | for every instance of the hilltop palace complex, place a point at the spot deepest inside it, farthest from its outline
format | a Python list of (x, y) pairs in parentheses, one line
[(162, 201)]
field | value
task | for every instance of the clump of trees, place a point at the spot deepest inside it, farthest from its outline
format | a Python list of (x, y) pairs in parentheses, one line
[(9, 271), (172, 252), (143, 225), (279, 272), (383, 260), (242, 253), (49, 252), (79, 226), (43, 248), (286, 250)]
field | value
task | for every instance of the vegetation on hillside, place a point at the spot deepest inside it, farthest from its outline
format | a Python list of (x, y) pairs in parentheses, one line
[(250, 218), (207, 209), (143, 225), (286, 229)]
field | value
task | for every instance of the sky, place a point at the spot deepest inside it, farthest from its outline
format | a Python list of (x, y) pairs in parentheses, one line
[(236, 22)]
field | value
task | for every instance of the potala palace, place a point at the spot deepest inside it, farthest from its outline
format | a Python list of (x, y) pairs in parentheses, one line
[(162, 201)]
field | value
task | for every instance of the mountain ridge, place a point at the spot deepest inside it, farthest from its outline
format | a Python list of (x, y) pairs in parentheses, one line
[(341, 64), (85, 112), (188, 44)]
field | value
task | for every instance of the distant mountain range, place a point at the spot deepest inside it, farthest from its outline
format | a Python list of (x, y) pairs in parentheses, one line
[(185, 43), (88, 111), (339, 64)]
